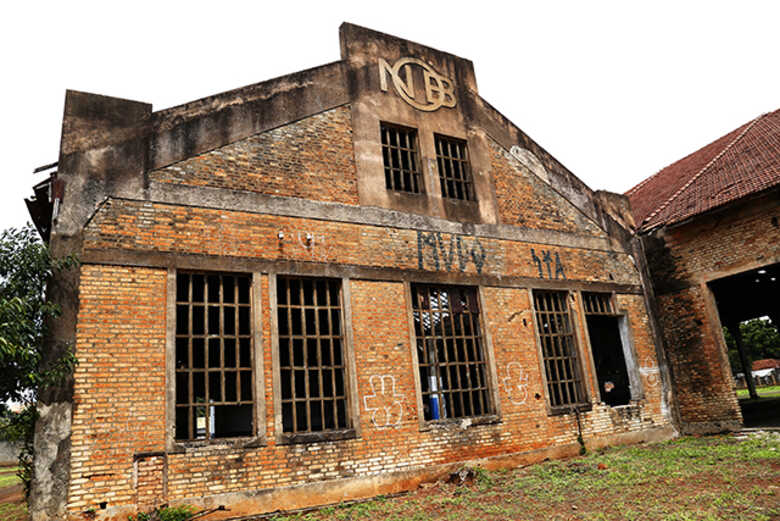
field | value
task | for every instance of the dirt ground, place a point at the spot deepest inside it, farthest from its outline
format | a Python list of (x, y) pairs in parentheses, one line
[(727, 477)]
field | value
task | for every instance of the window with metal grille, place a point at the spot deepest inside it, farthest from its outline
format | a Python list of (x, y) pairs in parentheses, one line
[(311, 355), (214, 356), (559, 349), (450, 352), (454, 169), (401, 159), (598, 303)]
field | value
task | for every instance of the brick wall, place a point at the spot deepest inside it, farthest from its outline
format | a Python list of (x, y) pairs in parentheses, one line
[(154, 227), (527, 201), (311, 159), (683, 259), (121, 391)]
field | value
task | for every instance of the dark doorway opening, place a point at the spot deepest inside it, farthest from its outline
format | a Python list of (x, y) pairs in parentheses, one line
[(606, 344), (753, 294), (604, 332)]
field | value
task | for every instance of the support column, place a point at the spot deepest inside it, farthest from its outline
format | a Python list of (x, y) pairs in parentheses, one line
[(747, 365)]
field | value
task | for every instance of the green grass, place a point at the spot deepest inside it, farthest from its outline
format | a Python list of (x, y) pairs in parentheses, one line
[(8, 476), (743, 394), (702, 479)]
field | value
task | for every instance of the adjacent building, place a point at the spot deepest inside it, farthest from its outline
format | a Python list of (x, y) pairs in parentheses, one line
[(710, 226), (326, 286)]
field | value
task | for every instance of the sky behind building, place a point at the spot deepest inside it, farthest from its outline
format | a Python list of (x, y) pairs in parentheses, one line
[(614, 90)]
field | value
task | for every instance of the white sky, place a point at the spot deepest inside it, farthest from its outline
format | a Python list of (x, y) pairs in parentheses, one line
[(614, 90)]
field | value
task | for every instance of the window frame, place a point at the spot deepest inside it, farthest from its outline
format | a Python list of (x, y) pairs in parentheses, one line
[(492, 380), (471, 189), (574, 316), (258, 436), (418, 163), (350, 375)]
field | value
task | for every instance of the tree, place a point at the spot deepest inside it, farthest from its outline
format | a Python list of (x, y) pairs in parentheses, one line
[(25, 269), (759, 336)]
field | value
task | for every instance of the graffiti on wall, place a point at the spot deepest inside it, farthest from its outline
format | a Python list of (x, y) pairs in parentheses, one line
[(548, 264), (651, 372), (516, 383), (384, 404), (453, 253)]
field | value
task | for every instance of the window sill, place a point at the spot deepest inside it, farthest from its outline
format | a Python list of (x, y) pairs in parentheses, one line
[(569, 409), (459, 423), (180, 446), (316, 437)]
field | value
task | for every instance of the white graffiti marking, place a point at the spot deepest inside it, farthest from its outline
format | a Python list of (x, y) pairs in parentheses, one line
[(650, 371), (388, 410), (516, 383)]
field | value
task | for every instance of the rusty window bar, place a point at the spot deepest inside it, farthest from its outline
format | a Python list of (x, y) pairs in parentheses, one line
[(598, 303), (454, 168), (214, 356), (451, 361), (559, 349), (311, 361), (401, 158)]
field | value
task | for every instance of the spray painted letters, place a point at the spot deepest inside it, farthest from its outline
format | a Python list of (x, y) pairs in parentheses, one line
[(450, 254), (554, 267)]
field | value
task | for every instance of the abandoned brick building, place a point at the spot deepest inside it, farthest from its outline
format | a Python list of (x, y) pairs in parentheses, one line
[(330, 285), (710, 225)]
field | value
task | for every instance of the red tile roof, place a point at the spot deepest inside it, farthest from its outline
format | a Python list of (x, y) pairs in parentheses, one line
[(766, 363), (743, 162)]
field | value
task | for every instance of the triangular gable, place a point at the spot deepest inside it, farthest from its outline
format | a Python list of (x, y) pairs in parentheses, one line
[(526, 200)]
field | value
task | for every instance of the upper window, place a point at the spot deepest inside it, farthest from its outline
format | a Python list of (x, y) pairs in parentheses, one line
[(401, 159), (214, 396), (454, 169), (559, 350), (311, 355), (450, 352)]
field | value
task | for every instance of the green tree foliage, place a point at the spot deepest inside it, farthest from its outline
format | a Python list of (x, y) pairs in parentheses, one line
[(759, 336), (25, 268)]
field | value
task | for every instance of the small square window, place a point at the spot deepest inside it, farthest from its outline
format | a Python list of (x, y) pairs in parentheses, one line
[(450, 352), (401, 159), (452, 157)]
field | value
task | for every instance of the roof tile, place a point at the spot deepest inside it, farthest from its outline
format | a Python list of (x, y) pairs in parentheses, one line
[(740, 163)]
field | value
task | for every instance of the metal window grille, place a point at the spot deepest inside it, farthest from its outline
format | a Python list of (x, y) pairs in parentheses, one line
[(311, 361), (453, 377), (598, 303), (214, 356), (454, 168), (559, 349), (401, 159)]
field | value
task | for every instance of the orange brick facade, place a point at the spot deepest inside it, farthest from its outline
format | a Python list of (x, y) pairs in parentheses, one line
[(686, 259), (304, 195), (119, 435)]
